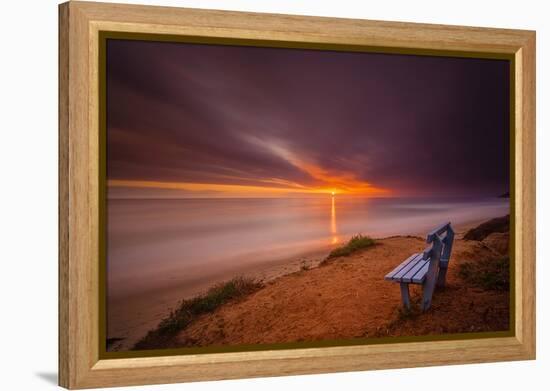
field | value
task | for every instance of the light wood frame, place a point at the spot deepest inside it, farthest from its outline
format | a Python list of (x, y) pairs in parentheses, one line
[(80, 365)]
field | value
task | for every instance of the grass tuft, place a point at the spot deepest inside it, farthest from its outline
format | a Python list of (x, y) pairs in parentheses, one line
[(489, 275), (357, 242), (189, 310)]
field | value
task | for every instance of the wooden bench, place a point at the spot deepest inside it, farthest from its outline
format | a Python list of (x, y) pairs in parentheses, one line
[(428, 268)]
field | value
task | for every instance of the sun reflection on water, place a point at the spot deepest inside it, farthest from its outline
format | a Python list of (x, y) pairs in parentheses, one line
[(333, 229)]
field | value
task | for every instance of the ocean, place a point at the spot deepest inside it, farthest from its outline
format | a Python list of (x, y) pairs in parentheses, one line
[(194, 243)]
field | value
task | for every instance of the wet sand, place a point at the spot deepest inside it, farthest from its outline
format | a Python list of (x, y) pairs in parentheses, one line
[(130, 317)]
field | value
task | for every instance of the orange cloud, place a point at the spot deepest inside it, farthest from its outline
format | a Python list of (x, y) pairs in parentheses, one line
[(200, 187), (325, 181), (341, 183), (283, 188), (328, 181)]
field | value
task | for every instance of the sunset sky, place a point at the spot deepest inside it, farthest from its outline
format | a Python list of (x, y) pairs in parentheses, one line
[(188, 120)]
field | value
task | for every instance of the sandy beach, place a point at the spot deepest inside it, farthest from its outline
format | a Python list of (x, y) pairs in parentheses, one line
[(130, 317), (346, 297)]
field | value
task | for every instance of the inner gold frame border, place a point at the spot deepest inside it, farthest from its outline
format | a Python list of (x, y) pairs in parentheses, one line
[(82, 27)]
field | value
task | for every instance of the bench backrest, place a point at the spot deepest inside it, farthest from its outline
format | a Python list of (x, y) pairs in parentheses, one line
[(438, 231), (439, 253), (445, 234)]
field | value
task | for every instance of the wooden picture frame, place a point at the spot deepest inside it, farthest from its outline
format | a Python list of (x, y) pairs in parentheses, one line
[(80, 25)]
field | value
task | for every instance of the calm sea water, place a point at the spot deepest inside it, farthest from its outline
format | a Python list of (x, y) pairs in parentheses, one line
[(192, 241)]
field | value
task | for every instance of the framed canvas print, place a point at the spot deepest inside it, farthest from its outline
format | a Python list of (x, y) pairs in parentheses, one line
[(248, 195)]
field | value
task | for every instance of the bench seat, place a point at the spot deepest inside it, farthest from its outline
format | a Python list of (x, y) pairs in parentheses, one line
[(413, 270), (427, 268)]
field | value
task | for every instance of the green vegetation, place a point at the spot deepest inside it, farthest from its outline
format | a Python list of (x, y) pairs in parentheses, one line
[(357, 242), (500, 224), (489, 275), (189, 310)]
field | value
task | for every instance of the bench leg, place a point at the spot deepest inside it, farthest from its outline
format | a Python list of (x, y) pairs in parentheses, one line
[(405, 297), (427, 293), (442, 275)]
